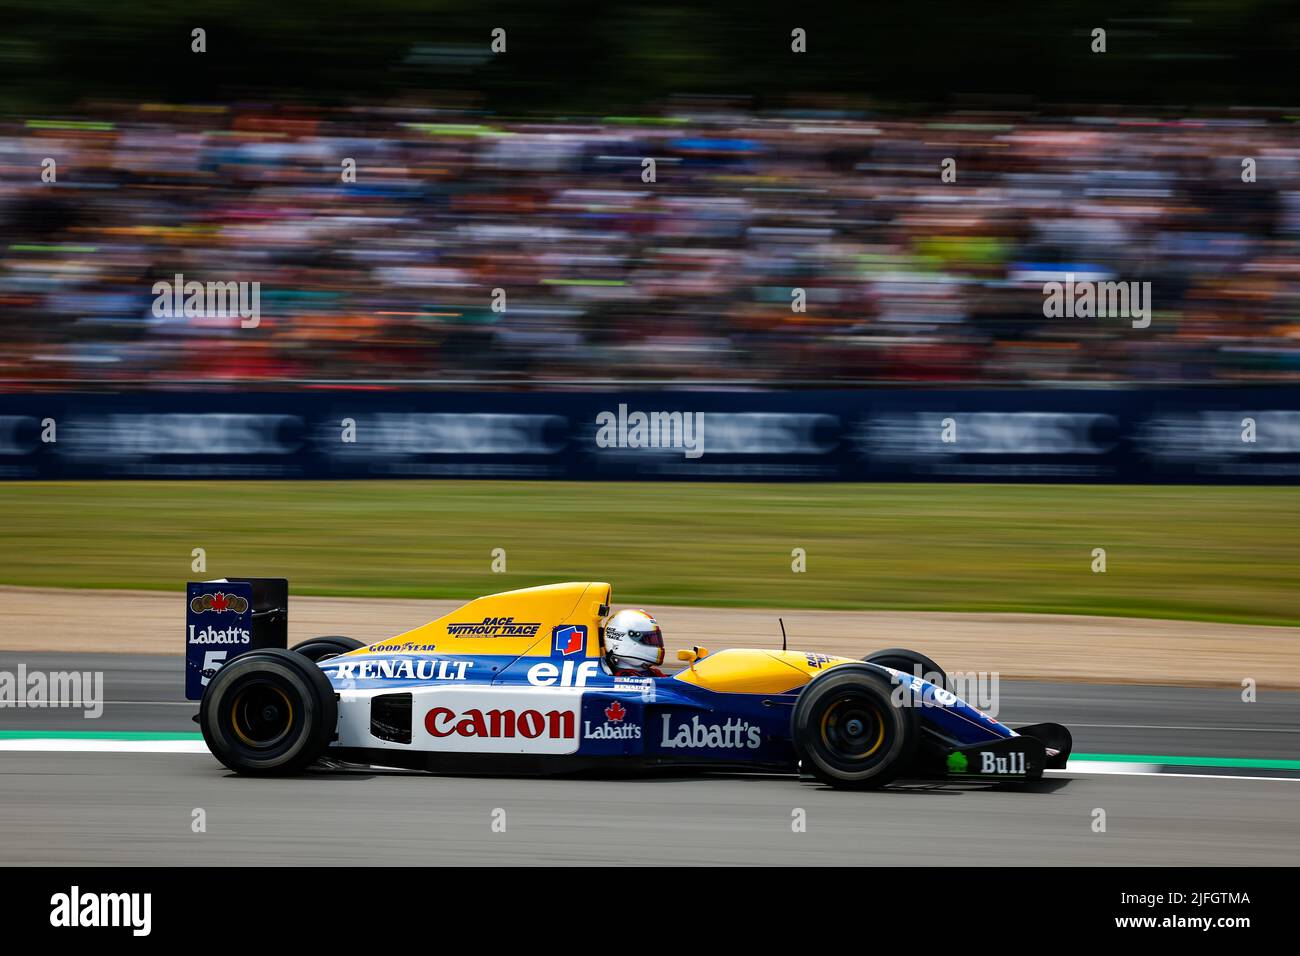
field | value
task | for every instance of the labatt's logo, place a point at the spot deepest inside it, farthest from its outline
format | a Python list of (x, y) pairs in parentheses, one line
[(220, 635), (613, 728), (734, 734)]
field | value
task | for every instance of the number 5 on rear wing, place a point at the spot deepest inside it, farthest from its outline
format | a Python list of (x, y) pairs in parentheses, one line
[(229, 617)]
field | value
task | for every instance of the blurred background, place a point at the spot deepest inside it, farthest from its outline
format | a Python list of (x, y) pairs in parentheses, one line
[(522, 171), (423, 410)]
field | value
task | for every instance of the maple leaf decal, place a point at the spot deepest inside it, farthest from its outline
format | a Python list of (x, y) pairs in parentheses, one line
[(615, 711), (219, 602)]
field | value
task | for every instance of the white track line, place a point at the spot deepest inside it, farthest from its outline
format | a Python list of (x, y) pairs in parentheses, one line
[(54, 745), (1150, 770), (1242, 730)]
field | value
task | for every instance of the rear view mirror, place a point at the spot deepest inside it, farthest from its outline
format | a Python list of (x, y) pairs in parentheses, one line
[(693, 655)]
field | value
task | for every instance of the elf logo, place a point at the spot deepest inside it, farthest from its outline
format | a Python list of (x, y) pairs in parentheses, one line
[(569, 639), (568, 674), (1006, 763)]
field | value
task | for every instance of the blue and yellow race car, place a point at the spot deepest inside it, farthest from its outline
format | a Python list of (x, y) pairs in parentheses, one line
[(519, 682)]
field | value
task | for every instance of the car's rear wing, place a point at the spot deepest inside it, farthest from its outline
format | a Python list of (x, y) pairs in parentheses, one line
[(229, 617)]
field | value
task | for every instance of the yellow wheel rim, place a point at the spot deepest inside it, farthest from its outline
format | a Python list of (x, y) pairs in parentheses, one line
[(831, 722), (241, 698)]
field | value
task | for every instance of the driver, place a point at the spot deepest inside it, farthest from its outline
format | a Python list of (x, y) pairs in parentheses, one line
[(634, 645)]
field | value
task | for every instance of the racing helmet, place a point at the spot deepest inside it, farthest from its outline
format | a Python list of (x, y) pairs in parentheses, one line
[(633, 640)]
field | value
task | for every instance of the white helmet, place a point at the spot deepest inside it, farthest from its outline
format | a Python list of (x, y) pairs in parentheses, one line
[(633, 640)]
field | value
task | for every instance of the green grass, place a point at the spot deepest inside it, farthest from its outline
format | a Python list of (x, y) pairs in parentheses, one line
[(1229, 554)]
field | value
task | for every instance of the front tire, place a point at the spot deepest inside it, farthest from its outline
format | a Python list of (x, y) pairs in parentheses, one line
[(323, 648), (268, 713), (849, 732), (910, 662)]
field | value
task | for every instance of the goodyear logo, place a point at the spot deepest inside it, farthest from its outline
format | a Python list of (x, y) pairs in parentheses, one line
[(494, 627)]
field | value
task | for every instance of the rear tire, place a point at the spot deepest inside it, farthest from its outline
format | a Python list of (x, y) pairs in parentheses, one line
[(849, 732), (901, 659), (323, 648), (268, 713)]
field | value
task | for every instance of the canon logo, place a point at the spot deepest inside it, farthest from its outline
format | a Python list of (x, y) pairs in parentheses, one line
[(530, 724)]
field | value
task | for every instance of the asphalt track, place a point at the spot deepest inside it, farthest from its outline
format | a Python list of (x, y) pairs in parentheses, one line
[(80, 808)]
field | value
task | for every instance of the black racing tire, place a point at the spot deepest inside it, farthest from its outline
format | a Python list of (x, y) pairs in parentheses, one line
[(268, 713), (901, 659), (850, 732), (322, 648)]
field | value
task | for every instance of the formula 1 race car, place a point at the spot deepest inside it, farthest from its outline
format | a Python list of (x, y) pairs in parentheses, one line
[(518, 683)]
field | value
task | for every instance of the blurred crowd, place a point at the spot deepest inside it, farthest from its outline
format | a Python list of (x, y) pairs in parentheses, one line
[(481, 252)]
